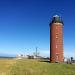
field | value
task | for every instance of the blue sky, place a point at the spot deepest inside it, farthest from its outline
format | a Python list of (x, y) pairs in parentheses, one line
[(24, 25)]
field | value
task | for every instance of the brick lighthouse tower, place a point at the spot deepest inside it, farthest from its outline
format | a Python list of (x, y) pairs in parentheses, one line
[(56, 39)]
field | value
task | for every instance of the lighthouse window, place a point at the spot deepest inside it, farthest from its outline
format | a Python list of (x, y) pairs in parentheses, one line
[(57, 33), (56, 36), (56, 45)]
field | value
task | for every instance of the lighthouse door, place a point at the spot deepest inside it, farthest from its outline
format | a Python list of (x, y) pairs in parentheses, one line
[(56, 58)]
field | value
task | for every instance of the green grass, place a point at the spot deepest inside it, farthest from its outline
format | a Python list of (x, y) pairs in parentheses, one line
[(35, 67), (5, 66)]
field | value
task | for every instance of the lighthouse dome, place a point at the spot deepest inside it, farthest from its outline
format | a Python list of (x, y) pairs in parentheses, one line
[(56, 19)]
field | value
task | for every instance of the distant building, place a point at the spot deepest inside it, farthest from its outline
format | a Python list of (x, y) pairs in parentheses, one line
[(56, 39), (20, 56)]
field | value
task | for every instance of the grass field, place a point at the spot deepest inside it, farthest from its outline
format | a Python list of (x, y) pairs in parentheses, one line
[(34, 67), (6, 65)]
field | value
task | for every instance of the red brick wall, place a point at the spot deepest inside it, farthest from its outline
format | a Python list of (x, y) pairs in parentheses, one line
[(56, 38)]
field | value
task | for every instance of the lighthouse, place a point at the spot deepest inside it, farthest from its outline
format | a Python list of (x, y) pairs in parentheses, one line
[(56, 39)]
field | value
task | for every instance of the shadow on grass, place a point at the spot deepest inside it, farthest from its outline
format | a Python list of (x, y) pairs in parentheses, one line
[(47, 61)]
